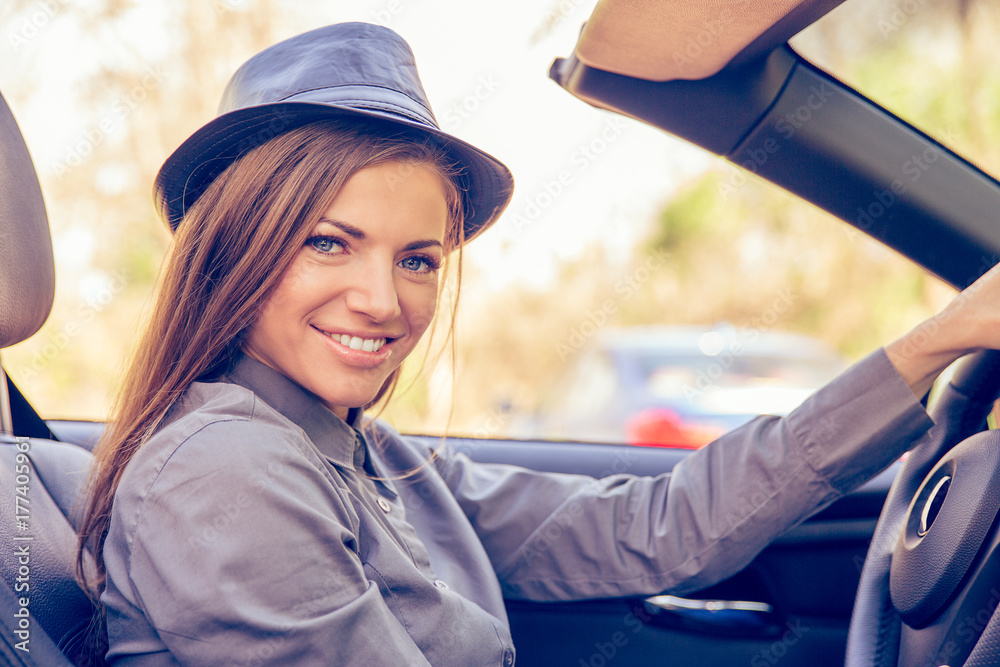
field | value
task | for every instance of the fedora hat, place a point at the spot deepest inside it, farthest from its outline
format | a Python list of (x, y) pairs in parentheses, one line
[(347, 70)]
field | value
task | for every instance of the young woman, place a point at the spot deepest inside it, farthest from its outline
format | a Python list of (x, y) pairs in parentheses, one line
[(243, 511)]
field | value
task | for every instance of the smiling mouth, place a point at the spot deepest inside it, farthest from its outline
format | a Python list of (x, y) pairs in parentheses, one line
[(355, 342)]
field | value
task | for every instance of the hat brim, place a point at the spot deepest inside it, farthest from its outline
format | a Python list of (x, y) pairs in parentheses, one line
[(486, 182)]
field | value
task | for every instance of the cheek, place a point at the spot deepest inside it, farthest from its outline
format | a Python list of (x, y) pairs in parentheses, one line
[(419, 302), (293, 290)]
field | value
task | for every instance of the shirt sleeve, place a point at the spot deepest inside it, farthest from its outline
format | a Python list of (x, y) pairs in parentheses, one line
[(239, 502), (560, 537)]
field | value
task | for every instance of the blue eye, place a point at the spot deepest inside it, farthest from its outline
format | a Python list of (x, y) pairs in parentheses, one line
[(419, 264), (326, 245)]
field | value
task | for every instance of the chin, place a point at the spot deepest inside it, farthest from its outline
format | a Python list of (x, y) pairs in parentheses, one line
[(348, 400)]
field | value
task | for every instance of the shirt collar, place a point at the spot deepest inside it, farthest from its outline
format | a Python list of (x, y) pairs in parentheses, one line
[(334, 437)]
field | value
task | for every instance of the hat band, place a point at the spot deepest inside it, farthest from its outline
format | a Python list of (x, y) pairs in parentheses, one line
[(368, 98)]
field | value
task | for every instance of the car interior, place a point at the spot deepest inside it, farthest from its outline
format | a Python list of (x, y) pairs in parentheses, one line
[(843, 584)]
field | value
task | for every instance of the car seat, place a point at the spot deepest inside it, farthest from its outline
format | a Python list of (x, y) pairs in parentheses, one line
[(44, 614)]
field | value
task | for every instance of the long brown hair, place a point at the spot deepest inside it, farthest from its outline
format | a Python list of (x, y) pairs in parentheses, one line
[(229, 253)]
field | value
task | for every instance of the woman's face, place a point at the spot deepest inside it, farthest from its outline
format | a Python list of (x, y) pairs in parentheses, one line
[(362, 290)]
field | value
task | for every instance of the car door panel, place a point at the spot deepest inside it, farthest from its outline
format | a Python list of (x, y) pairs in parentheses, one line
[(808, 577)]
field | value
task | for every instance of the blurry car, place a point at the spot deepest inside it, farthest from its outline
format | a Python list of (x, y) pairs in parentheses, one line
[(680, 386)]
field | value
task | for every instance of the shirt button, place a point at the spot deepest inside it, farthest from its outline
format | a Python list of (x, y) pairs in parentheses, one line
[(508, 658), (384, 504), (440, 584)]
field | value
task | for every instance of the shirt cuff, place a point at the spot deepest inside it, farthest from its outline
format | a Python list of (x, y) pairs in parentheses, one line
[(860, 423)]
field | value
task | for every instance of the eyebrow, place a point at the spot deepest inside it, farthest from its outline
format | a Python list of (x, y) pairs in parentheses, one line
[(356, 233), (350, 230)]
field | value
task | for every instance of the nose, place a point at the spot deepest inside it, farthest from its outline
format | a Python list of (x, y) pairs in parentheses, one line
[(374, 294)]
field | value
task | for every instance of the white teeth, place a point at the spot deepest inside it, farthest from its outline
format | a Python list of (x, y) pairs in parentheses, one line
[(355, 343)]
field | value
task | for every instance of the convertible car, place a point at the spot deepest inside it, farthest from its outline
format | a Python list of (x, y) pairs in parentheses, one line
[(903, 571)]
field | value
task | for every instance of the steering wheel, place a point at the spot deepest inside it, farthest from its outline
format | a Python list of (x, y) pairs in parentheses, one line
[(931, 580)]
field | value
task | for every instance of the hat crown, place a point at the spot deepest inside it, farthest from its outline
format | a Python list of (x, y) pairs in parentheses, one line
[(349, 71), (361, 62)]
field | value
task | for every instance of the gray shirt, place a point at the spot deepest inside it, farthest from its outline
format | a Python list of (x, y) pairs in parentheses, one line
[(256, 527)]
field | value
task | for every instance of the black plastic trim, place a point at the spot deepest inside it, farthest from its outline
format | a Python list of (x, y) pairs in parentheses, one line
[(830, 146), (714, 113), (796, 126)]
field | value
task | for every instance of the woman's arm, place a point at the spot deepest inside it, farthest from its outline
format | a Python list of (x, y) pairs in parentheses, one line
[(559, 537)]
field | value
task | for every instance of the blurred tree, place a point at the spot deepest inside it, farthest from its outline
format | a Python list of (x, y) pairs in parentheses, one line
[(145, 91)]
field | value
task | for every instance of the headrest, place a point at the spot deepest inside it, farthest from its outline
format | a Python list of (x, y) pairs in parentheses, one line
[(27, 271)]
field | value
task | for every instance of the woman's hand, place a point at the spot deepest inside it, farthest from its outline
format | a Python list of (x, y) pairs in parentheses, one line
[(971, 322)]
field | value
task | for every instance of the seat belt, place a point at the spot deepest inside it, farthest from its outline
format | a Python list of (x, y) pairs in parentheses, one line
[(24, 643), (27, 423)]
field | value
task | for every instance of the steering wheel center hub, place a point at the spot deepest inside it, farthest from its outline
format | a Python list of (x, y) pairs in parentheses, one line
[(945, 527)]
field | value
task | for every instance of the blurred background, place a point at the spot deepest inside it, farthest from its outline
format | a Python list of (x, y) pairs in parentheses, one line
[(613, 225)]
